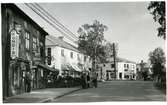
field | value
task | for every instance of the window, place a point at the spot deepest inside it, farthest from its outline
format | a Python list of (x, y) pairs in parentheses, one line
[(38, 46), (104, 65), (127, 65), (27, 40), (85, 58), (25, 24), (34, 45), (125, 69), (71, 54), (137, 69), (112, 65), (126, 76), (124, 65), (133, 66), (49, 56), (62, 52)]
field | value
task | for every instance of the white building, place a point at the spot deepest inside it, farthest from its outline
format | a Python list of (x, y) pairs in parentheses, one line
[(125, 70), (65, 57)]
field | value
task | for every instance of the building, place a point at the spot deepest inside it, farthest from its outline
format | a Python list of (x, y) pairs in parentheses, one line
[(65, 57), (125, 70), (23, 49)]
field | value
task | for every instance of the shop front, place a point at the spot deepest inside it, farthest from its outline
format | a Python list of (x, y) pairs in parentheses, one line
[(17, 70), (21, 36)]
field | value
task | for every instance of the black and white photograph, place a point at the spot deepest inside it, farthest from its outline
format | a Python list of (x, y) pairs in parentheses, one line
[(83, 52)]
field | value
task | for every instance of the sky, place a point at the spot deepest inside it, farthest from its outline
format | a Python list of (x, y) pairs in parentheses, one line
[(129, 24)]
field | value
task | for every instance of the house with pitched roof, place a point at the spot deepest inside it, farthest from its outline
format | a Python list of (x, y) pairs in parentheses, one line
[(65, 57), (125, 70)]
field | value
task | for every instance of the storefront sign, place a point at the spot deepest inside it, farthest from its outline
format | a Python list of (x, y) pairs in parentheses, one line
[(14, 44)]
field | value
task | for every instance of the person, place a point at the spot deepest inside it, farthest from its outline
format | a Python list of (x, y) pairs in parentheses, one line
[(95, 81), (88, 81), (28, 81), (83, 81)]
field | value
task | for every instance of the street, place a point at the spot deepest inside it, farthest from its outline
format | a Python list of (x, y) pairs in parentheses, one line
[(116, 91)]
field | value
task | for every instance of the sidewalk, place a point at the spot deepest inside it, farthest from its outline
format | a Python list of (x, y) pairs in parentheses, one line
[(41, 95)]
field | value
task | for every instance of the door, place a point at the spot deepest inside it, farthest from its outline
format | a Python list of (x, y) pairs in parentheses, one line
[(120, 75)]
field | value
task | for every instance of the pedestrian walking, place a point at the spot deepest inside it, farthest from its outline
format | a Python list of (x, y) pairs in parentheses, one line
[(88, 80), (28, 81), (83, 80), (95, 80)]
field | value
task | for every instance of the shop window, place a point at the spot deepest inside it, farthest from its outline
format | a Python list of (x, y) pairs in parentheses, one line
[(27, 40), (126, 76)]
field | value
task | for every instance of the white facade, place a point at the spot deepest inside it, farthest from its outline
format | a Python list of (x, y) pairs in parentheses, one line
[(125, 70), (63, 55)]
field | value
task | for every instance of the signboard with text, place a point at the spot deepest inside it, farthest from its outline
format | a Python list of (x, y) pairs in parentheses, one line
[(14, 44)]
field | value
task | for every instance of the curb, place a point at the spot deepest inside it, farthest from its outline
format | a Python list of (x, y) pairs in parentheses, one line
[(52, 98)]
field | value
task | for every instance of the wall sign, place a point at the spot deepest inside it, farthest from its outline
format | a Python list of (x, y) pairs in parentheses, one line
[(14, 44)]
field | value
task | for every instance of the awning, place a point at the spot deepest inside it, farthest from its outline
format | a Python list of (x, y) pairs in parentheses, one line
[(75, 67)]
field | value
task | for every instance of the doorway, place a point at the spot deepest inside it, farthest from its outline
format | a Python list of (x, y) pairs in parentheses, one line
[(120, 75)]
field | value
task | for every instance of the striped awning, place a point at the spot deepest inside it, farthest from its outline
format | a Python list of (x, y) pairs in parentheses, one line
[(75, 67)]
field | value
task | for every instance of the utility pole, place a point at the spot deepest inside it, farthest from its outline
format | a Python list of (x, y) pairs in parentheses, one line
[(114, 56)]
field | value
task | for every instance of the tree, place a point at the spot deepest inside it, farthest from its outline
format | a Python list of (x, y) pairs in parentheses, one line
[(157, 9), (91, 39), (144, 72), (157, 59)]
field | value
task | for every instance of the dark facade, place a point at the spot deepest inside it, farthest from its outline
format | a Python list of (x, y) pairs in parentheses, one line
[(23, 49)]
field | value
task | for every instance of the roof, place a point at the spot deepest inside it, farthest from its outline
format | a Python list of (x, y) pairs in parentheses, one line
[(17, 10), (54, 41), (118, 59)]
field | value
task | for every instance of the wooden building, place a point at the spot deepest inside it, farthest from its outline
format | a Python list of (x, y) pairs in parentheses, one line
[(23, 49)]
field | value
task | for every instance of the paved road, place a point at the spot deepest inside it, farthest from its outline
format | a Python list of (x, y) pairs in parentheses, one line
[(116, 91)]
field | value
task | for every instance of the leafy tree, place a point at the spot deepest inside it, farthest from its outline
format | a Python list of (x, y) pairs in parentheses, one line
[(157, 9), (157, 59), (144, 72), (91, 40)]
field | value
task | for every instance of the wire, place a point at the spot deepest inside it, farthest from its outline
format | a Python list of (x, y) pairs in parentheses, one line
[(48, 22), (60, 24)]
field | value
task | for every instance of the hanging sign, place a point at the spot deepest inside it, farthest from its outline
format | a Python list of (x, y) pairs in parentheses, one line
[(14, 44)]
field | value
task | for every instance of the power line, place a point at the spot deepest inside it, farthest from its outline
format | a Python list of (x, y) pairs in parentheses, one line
[(48, 21), (60, 24), (53, 24), (51, 18)]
